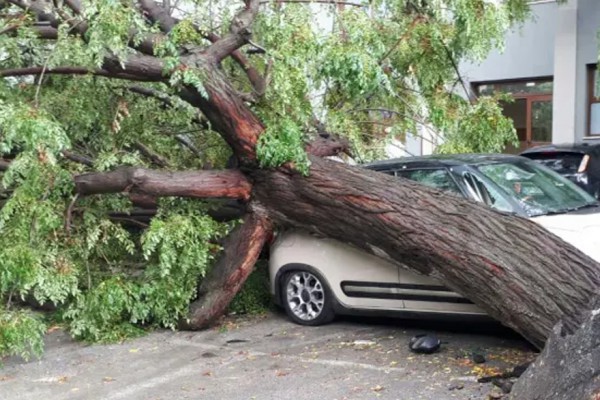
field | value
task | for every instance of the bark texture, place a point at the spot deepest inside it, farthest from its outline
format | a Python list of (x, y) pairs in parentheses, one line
[(513, 268), (569, 366), (241, 250), (199, 184)]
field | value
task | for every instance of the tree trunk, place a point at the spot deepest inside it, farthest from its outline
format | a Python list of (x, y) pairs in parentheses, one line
[(241, 250), (511, 267), (569, 366)]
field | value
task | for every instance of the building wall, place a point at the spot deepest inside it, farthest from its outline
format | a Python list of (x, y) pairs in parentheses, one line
[(560, 41), (528, 52), (588, 25)]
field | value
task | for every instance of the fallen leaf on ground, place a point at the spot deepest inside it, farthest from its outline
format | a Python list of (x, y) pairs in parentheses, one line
[(53, 328), (377, 388)]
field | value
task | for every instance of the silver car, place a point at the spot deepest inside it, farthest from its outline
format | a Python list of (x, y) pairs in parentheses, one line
[(314, 278)]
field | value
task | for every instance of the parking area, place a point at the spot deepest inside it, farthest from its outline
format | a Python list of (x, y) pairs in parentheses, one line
[(270, 358)]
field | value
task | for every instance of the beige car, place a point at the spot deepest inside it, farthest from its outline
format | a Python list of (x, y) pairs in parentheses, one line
[(314, 278)]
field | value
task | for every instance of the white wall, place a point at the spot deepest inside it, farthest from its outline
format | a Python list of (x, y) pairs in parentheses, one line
[(528, 52)]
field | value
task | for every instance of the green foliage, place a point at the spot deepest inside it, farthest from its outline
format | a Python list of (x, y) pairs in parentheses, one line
[(255, 297), (176, 250), (483, 129), (21, 334), (281, 143)]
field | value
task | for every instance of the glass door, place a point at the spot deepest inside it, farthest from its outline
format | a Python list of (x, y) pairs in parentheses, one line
[(541, 120)]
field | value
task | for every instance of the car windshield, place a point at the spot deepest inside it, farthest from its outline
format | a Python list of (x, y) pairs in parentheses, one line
[(539, 190)]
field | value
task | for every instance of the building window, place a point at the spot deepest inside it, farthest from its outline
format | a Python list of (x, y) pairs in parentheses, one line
[(593, 125), (530, 110)]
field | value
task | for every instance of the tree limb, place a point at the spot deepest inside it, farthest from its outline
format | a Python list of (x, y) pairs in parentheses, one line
[(138, 68), (64, 71), (158, 14), (240, 252), (166, 22), (197, 184), (239, 33), (327, 147), (78, 158), (156, 158), (332, 2)]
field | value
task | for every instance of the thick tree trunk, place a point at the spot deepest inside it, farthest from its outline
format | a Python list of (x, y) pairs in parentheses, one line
[(513, 268), (569, 366), (241, 250)]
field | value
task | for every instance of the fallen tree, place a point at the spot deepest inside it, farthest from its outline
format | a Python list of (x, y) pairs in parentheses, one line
[(522, 275)]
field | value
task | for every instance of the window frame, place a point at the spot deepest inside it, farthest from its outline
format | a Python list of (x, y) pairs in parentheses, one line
[(530, 98), (592, 73)]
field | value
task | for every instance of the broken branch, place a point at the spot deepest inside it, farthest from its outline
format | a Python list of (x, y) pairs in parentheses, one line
[(197, 184)]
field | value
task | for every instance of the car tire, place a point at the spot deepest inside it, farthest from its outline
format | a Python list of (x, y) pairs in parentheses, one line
[(306, 298)]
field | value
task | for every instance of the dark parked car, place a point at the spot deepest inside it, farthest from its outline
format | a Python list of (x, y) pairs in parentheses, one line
[(578, 162)]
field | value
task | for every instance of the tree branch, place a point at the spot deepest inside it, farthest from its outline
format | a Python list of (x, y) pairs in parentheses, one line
[(332, 2), (257, 80), (239, 33), (328, 146), (138, 68), (156, 158), (166, 22), (198, 184), (78, 158), (63, 71), (241, 250), (74, 5), (158, 14)]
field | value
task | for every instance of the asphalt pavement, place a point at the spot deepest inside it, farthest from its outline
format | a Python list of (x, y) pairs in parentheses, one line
[(270, 358)]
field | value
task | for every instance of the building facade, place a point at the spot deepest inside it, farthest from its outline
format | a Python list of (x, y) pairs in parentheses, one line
[(549, 67)]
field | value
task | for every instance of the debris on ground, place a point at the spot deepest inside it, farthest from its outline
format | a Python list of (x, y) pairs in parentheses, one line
[(424, 344)]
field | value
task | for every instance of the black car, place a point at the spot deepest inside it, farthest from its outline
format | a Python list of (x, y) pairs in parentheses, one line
[(578, 162), (507, 183)]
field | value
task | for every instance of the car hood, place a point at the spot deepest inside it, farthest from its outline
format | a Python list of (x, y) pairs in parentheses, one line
[(582, 230)]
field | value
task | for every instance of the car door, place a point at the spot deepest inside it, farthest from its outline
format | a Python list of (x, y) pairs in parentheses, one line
[(357, 279), (421, 293)]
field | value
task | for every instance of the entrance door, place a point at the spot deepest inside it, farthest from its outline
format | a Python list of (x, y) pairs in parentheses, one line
[(541, 120), (530, 110)]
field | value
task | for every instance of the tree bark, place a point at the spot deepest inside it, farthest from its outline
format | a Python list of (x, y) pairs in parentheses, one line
[(241, 250), (569, 366), (198, 184), (511, 267)]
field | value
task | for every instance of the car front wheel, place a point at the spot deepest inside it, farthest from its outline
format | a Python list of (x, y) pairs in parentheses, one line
[(307, 298)]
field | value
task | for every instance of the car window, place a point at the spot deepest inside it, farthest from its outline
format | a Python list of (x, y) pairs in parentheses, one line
[(565, 163), (437, 178), (485, 193), (537, 189)]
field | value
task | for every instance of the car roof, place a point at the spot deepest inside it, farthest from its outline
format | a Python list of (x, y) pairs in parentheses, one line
[(566, 147), (441, 160)]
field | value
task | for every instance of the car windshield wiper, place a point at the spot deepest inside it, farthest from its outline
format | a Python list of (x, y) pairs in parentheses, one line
[(587, 205), (570, 209)]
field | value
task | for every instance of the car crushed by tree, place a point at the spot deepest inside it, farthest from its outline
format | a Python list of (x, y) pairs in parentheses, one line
[(96, 93)]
